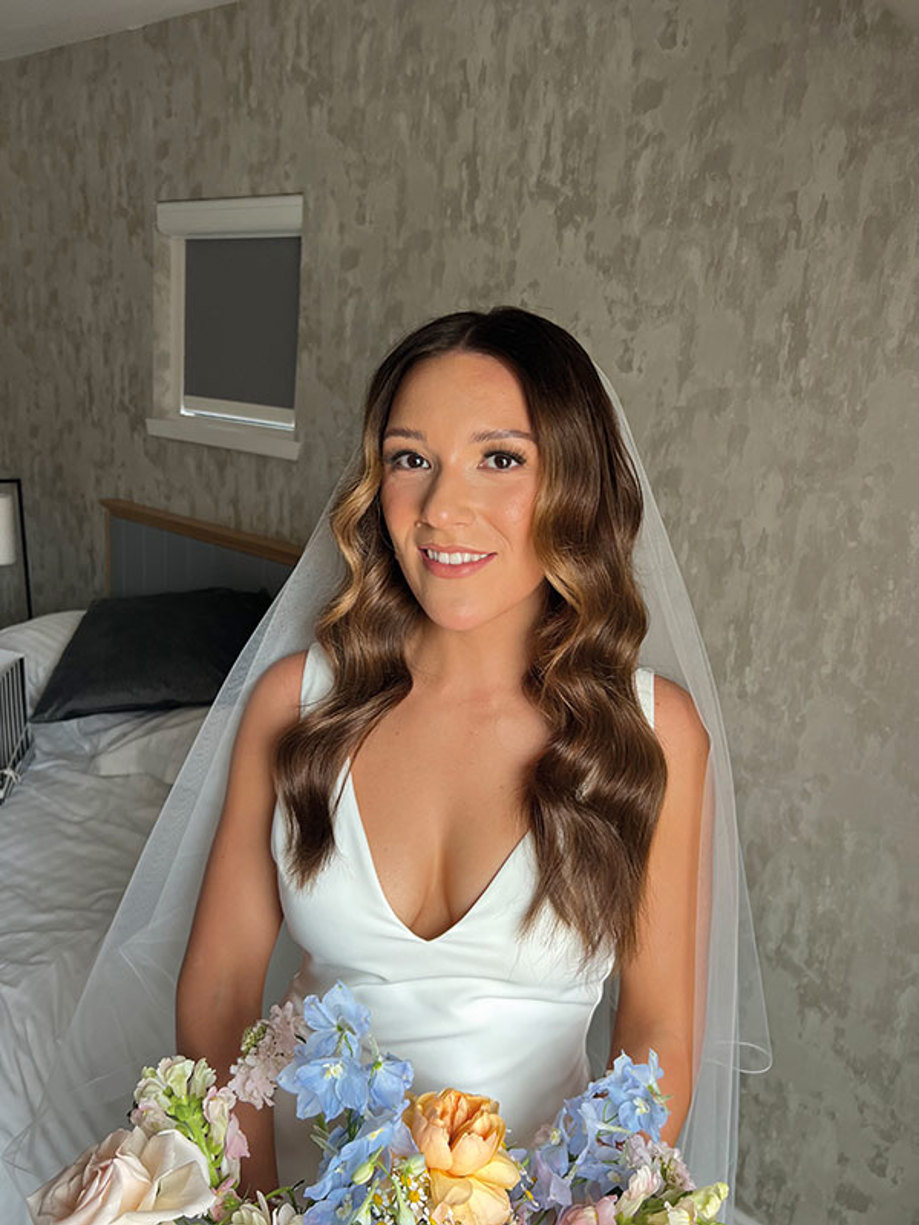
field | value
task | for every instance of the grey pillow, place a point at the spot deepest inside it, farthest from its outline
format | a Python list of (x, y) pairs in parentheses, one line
[(151, 652)]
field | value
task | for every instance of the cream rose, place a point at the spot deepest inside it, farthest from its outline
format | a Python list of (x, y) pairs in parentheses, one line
[(128, 1179), (462, 1140)]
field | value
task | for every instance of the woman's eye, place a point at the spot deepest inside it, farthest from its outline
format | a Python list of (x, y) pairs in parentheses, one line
[(502, 456), (402, 459), (408, 461)]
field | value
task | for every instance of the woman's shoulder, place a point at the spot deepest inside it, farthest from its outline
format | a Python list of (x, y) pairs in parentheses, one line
[(274, 700), (296, 680), (677, 722)]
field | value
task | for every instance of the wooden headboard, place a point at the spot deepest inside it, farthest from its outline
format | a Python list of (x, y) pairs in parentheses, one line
[(150, 551)]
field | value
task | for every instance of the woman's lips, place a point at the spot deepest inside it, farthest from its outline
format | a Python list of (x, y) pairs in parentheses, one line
[(445, 570)]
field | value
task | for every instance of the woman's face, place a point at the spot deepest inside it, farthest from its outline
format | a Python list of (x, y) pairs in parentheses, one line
[(460, 470)]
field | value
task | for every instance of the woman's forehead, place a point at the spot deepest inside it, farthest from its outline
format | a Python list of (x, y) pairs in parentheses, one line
[(461, 388)]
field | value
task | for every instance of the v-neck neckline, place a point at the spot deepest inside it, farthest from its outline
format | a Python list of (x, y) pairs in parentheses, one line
[(467, 915)]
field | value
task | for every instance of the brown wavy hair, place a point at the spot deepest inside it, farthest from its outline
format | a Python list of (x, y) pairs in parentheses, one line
[(594, 794)]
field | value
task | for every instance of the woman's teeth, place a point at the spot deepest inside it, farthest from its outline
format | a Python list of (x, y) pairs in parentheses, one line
[(454, 559)]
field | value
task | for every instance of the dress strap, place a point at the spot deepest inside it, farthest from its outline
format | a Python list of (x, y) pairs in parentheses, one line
[(317, 677), (644, 683)]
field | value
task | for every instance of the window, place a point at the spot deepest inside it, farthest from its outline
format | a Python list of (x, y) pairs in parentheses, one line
[(227, 305)]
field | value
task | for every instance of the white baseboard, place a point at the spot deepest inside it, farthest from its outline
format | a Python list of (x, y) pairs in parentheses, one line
[(743, 1218)]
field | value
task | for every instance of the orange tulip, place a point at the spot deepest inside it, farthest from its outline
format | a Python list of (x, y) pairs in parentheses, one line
[(462, 1140)]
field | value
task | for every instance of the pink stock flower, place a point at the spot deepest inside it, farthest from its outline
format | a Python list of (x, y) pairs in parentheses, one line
[(268, 1047), (226, 1190), (236, 1143), (151, 1117), (603, 1212), (235, 1146), (639, 1151), (217, 1106), (644, 1183), (251, 1083)]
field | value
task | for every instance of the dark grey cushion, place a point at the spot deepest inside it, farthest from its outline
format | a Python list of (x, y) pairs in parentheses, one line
[(151, 652)]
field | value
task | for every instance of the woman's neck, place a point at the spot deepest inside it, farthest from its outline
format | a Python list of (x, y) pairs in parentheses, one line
[(488, 660)]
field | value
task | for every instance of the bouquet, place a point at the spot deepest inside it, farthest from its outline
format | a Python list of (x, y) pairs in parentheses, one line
[(389, 1157)]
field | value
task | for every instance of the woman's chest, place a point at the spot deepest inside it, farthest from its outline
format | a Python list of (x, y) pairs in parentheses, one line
[(439, 793)]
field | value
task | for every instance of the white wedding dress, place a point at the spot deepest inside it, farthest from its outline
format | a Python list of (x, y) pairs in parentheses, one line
[(477, 1008)]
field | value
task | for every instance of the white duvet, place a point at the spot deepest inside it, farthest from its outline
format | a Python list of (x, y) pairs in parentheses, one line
[(70, 834)]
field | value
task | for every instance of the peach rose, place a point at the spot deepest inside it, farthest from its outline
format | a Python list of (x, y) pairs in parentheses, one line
[(128, 1178), (462, 1140)]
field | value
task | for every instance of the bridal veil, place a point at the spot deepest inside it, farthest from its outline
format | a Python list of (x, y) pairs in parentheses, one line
[(125, 1015)]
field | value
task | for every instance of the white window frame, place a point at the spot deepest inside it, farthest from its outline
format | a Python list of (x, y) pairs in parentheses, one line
[(257, 428)]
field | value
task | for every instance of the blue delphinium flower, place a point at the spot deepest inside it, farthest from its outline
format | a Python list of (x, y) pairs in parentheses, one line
[(359, 1094), (597, 1160), (641, 1113), (340, 1207), (557, 1140), (581, 1157), (642, 1107), (568, 1125), (338, 1022), (551, 1183), (325, 1085), (389, 1081), (340, 1168), (545, 1169), (599, 1120)]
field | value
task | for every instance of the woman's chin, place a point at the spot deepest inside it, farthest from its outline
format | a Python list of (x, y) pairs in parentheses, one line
[(465, 615), (469, 618), (457, 622)]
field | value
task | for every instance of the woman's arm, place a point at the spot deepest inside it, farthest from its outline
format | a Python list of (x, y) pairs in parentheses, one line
[(656, 987), (238, 914)]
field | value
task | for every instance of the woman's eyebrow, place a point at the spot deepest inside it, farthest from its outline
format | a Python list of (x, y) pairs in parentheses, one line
[(482, 436), (400, 432), (489, 435)]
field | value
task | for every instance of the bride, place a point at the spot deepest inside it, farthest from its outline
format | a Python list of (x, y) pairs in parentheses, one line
[(468, 799), (474, 678)]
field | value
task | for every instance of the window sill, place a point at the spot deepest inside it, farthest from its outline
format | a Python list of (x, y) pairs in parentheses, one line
[(257, 440)]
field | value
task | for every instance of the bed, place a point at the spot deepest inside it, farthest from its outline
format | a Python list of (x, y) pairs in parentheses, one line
[(73, 826)]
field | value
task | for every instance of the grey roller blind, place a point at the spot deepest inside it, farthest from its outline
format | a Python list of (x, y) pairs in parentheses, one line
[(241, 306)]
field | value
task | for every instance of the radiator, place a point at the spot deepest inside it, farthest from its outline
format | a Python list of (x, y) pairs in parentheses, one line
[(16, 745)]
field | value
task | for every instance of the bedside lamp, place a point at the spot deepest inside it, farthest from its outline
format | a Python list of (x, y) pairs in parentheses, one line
[(8, 533)]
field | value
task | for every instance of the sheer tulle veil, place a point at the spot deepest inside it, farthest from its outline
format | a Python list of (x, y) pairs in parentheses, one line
[(125, 1015)]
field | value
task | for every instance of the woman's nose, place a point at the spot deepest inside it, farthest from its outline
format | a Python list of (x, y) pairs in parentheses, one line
[(447, 498)]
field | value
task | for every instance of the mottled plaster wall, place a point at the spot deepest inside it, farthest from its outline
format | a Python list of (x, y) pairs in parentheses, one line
[(721, 197)]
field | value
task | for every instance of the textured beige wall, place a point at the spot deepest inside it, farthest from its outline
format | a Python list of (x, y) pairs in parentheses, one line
[(721, 198)]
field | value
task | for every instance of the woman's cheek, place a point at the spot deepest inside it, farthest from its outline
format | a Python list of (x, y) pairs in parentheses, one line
[(517, 509), (396, 506)]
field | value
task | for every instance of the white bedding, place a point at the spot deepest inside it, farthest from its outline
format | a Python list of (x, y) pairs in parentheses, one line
[(70, 834)]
